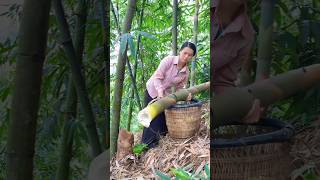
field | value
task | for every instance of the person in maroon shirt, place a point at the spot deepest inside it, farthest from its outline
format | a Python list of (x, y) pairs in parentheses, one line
[(232, 36), (172, 73), (231, 42)]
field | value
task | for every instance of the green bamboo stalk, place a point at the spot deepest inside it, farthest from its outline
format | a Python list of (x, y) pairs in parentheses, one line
[(130, 111), (25, 103), (116, 105), (175, 27), (78, 79), (115, 18), (134, 85), (71, 102), (195, 41), (136, 66), (265, 40), (65, 156), (104, 9)]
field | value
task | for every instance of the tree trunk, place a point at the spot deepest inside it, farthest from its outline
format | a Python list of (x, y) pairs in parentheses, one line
[(130, 111), (152, 110), (71, 104), (135, 68), (265, 40), (115, 18), (195, 41), (134, 85), (235, 103), (116, 105), (175, 27), (78, 79), (25, 103), (67, 133), (105, 23)]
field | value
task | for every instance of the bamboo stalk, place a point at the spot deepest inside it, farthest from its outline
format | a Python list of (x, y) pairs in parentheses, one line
[(63, 169), (195, 41), (175, 27), (235, 103), (265, 40), (78, 79), (116, 105), (146, 115), (27, 88)]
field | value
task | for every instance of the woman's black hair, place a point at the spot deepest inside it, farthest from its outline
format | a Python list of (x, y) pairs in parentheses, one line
[(189, 45)]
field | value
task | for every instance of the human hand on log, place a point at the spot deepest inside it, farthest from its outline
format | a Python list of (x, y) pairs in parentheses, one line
[(255, 113), (189, 97), (160, 94)]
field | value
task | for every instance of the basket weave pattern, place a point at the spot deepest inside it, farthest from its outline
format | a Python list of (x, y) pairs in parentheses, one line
[(262, 161), (183, 122)]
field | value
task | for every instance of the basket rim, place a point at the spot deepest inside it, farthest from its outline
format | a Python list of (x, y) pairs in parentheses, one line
[(195, 103), (284, 133)]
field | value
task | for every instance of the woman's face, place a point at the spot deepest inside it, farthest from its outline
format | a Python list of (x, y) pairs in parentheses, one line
[(186, 54)]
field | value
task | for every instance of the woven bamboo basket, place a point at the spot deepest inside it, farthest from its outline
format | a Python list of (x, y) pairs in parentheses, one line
[(183, 120), (265, 160)]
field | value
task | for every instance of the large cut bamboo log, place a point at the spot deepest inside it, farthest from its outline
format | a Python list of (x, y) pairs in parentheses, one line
[(235, 103), (146, 115)]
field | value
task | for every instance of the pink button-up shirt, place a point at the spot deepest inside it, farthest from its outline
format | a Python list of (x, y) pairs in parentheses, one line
[(167, 76), (229, 49)]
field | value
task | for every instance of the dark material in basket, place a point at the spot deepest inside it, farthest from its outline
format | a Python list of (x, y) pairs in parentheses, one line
[(285, 132), (193, 103)]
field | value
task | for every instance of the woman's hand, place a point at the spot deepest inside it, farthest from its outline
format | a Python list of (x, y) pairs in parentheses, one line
[(160, 94), (255, 113), (189, 97)]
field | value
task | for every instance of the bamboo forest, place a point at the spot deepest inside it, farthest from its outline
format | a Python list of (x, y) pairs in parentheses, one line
[(134, 89)]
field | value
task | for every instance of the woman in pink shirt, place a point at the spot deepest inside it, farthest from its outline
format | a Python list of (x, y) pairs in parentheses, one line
[(172, 74), (232, 36)]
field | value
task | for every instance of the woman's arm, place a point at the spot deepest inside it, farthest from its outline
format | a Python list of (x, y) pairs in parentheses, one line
[(159, 75)]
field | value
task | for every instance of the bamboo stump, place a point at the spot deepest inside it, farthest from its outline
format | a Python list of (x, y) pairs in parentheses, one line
[(125, 143)]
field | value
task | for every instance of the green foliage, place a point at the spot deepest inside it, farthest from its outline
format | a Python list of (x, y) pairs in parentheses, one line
[(155, 44), (296, 44), (139, 148), (53, 96), (307, 172), (184, 174), (180, 174), (162, 175)]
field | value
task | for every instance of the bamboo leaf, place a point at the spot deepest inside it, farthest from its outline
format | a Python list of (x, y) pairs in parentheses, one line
[(139, 148), (123, 42), (147, 35), (162, 175), (132, 46), (72, 126), (283, 6), (207, 170), (180, 173)]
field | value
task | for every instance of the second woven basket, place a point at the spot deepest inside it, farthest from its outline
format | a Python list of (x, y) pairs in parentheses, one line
[(183, 120)]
